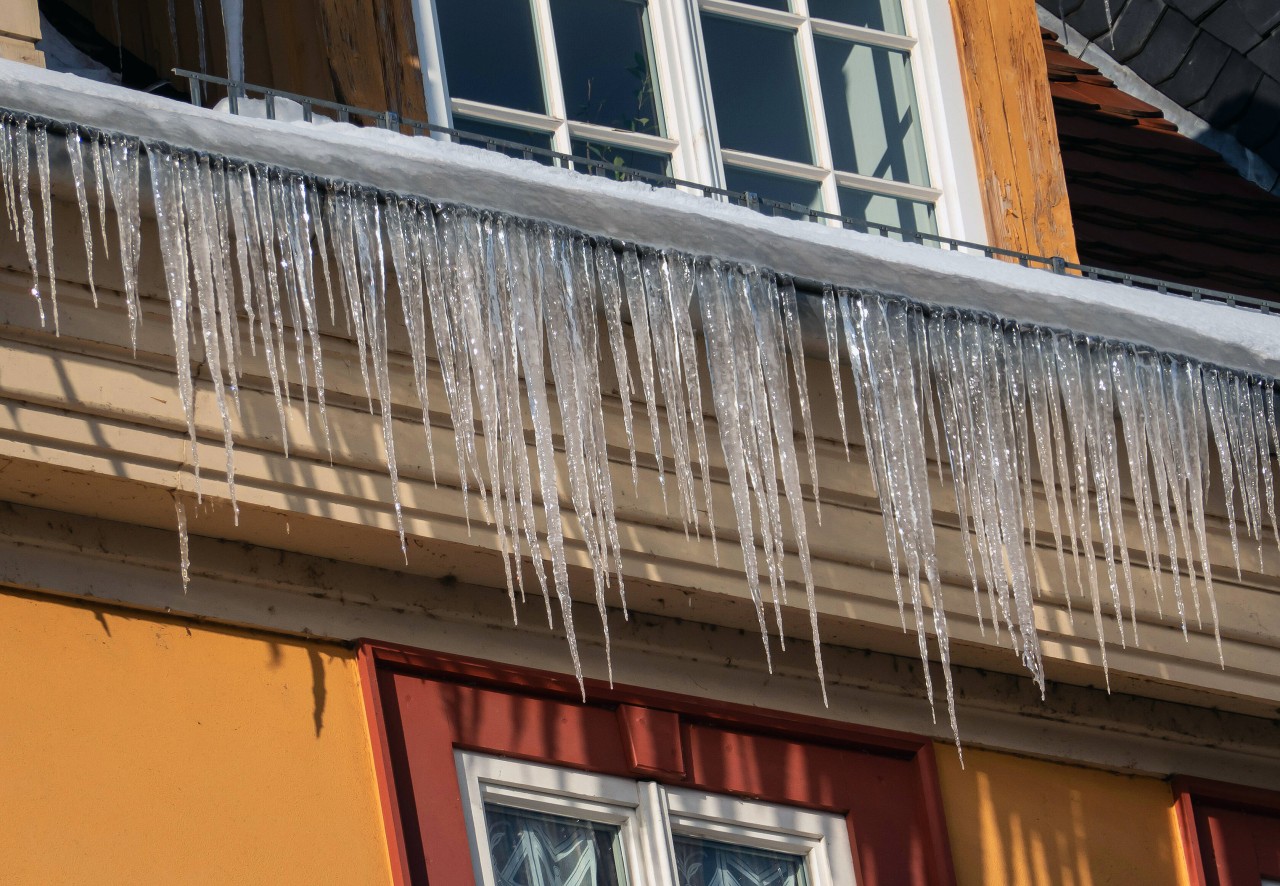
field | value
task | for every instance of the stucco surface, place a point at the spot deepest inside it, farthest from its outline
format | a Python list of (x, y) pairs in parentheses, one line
[(149, 751), (1014, 821)]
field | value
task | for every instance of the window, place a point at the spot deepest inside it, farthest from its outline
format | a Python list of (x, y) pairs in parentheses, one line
[(1231, 834), (847, 107), (533, 823), (575, 74), (820, 113), (635, 787)]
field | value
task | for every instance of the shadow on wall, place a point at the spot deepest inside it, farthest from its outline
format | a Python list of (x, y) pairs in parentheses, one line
[(1021, 822)]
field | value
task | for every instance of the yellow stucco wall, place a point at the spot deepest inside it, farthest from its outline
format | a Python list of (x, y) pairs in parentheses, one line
[(136, 750), (1020, 822)]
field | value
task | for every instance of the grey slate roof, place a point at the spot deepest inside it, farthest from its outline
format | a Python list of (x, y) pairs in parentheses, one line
[(1219, 59)]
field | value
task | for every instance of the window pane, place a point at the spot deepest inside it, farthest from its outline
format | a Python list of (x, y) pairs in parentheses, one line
[(604, 63), (658, 164), (767, 4), (775, 187), (894, 211), (490, 54), (535, 849), (871, 110), (755, 84), (709, 863), (507, 133), (883, 15)]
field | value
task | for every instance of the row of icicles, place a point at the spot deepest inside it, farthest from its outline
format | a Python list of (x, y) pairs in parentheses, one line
[(519, 314)]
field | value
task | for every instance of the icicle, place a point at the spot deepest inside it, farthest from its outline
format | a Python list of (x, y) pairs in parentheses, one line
[(519, 313), (166, 186), (607, 273), (795, 342), (197, 201), (233, 28), (122, 177), (23, 164), (96, 143), (9, 129), (76, 156), (184, 549), (716, 298), (831, 322), (46, 204), (637, 307), (201, 43)]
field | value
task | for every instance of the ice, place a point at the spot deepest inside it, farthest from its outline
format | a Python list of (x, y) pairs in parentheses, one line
[(184, 545), (46, 204), (75, 154), (121, 161), (166, 187), (511, 317), (22, 162), (831, 324), (233, 28)]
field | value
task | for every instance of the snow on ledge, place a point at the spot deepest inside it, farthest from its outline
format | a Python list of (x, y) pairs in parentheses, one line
[(661, 217)]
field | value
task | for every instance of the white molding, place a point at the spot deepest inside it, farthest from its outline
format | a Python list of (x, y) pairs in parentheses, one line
[(774, 166), (867, 36), (888, 187), (506, 116), (625, 138), (648, 815)]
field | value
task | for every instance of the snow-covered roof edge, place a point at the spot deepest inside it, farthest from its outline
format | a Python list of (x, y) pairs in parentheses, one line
[(663, 217)]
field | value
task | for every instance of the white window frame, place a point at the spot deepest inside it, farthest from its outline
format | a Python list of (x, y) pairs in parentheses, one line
[(682, 86), (648, 814)]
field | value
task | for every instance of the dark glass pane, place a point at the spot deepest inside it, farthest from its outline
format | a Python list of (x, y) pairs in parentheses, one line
[(604, 63), (767, 4), (536, 849), (893, 211), (658, 164), (883, 15), (711, 863), (755, 84), (776, 187), (870, 103), (507, 133), (490, 54)]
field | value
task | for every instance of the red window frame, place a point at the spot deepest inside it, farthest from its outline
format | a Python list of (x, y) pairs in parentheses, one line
[(422, 706), (1230, 833)]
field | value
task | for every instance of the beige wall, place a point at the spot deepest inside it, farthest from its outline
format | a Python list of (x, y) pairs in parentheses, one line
[(1014, 821), (19, 31), (140, 750)]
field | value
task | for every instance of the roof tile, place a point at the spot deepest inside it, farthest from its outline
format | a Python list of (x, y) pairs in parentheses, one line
[(1233, 88), (1133, 28), (1228, 25), (1168, 44), (1148, 200), (1198, 70)]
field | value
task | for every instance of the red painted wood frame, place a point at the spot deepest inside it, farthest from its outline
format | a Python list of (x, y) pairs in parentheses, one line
[(1230, 833), (423, 706)]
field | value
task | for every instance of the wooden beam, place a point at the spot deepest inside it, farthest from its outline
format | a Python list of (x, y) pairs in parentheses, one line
[(19, 32), (1006, 85), (372, 50)]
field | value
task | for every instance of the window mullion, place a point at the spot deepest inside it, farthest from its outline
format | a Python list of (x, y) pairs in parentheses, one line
[(551, 85), (655, 835), (817, 112), (678, 47)]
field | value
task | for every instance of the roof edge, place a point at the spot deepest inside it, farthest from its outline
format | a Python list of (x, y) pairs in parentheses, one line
[(1250, 166)]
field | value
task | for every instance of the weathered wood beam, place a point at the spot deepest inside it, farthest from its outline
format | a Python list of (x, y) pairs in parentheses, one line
[(1006, 85)]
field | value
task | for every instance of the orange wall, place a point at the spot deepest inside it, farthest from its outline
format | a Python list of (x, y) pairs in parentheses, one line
[(137, 750), (1020, 822)]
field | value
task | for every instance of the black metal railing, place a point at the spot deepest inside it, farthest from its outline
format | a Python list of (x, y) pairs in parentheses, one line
[(238, 91)]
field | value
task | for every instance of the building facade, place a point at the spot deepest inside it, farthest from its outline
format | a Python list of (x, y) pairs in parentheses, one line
[(330, 413)]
